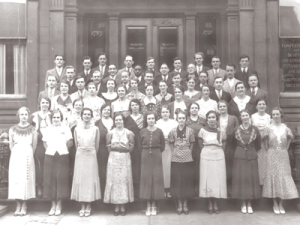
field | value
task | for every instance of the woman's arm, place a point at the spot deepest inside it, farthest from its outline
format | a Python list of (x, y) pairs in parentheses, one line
[(130, 140), (108, 141), (34, 140), (75, 137), (97, 139), (162, 141), (11, 139)]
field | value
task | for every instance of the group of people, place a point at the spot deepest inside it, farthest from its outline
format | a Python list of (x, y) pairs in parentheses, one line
[(125, 135)]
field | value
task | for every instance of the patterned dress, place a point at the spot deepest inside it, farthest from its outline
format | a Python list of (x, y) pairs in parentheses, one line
[(182, 167), (86, 184), (278, 182), (119, 183), (261, 122), (21, 178), (153, 106)]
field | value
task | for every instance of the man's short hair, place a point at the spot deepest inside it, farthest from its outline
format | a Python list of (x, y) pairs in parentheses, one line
[(204, 73), (96, 71), (244, 56), (87, 58), (218, 77), (59, 55), (113, 65), (149, 71), (125, 71), (69, 67), (215, 57), (102, 53), (231, 65), (164, 64), (176, 58), (52, 75), (150, 58), (77, 78), (199, 53)]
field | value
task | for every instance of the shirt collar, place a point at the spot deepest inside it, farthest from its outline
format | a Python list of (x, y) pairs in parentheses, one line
[(152, 100)]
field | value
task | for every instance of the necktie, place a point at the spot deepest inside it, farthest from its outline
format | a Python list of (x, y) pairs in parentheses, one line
[(253, 92), (244, 71), (50, 94), (164, 78), (198, 69)]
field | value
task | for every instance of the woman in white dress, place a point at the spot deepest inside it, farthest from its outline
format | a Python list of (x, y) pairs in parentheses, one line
[(261, 120), (212, 163), (121, 105), (21, 180), (206, 104), (93, 102), (166, 125)]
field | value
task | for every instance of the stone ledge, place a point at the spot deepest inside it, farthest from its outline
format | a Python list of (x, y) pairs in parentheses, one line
[(3, 210)]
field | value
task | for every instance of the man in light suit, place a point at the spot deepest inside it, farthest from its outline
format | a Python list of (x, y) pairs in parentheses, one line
[(254, 91), (216, 71), (51, 90), (87, 71), (199, 58), (81, 93), (58, 70), (231, 81), (244, 71), (128, 67), (102, 67), (218, 94)]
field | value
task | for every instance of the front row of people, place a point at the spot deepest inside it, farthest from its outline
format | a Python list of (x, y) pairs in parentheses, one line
[(140, 157)]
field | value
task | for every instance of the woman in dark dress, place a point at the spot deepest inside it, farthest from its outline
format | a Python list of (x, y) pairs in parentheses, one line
[(195, 122), (104, 125), (152, 143), (240, 102), (134, 123), (245, 177), (164, 97), (40, 120), (182, 166), (110, 95)]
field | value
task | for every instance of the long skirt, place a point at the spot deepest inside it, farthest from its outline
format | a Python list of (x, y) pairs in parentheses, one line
[(166, 163), (262, 163), (21, 178), (136, 170), (229, 154), (245, 179), (212, 173), (102, 157), (152, 180), (119, 184), (56, 176), (86, 184), (278, 182), (182, 179), (39, 157)]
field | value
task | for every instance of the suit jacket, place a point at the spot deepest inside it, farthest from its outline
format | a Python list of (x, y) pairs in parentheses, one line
[(44, 94), (204, 68), (158, 78), (119, 74), (106, 74), (183, 74), (212, 76), (260, 94), (55, 73), (230, 90), (118, 80), (88, 77), (240, 76), (233, 109), (73, 88), (225, 96)]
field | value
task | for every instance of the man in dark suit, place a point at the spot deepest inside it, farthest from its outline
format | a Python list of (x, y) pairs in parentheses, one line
[(58, 70), (102, 67), (216, 71), (51, 90), (254, 91), (87, 71), (218, 94), (149, 78), (97, 78), (128, 67), (176, 79), (178, 68), (203, 80), (164, 75), (243, 72), (70, 75), (112, 70), (199, 58), (139, 74), (150, 64)]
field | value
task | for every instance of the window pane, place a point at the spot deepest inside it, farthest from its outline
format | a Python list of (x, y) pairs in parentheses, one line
[(208, 39), (167, 40), (96, 38), (136, 44)]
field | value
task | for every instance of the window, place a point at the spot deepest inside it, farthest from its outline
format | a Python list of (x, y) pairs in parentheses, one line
[(13, 68)]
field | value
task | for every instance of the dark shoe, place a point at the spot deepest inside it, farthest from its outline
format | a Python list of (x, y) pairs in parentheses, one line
[(116, 213), (216, 211), (123, 213), (179, 211)]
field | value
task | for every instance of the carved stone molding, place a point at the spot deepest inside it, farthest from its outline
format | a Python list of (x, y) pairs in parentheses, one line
[(167, 22), (247, 4)]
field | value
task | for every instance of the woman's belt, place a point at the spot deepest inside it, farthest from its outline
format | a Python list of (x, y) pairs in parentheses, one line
[(120, 150), (86, 148)]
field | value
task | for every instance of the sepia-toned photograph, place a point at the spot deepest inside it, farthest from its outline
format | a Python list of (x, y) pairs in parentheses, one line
[(150, 112)]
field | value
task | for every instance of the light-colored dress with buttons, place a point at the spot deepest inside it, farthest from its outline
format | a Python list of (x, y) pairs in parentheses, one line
[(21, 180), (261, 122), (119, 183), (166, 127), (86, 183), (212, 166)]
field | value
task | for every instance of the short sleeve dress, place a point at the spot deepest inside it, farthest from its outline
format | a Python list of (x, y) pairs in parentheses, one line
[(278, 182)]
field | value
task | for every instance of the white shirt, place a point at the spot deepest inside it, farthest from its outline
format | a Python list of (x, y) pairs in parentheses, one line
[(199, 68), (51, 92), (59, 70), (86, 72), (255, 90), (245, 69), (241, 103), (56, 138), (231, 81), (102, 69), (219, 93), (179, 105), (178, 71), (152, 100), (216, 71)]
